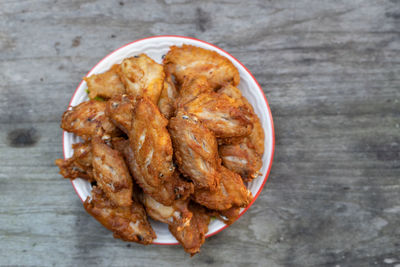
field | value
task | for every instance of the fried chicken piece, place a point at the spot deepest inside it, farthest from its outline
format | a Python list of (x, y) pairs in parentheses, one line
[(173, 189), (220, 113), (150, 143), (88, 119), (142, 76), (196, 151), (166, 103), (79, 165), (190, 60), (176, 214), (256, 136), (193, 234), (191, 88), (230, 193), (127, 223), (111, 173), (229, 216), (120, 111), (241, 159), (105, 85)]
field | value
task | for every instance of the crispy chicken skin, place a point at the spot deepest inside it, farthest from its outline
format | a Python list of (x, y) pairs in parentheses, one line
[(176, 214), (196, 151), (223, 115), (142, 76), (191, 88), (127, 223), (150, 142), (120, 111), (241, 159), (193, 234), (256, 136), (111, 173), (88, 119), (230, 193), (79, 165), (166, 103), (173, 189), (105, 85), (189, 60)]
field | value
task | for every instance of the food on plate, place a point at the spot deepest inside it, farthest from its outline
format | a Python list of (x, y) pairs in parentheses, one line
[(142, 76), (79, 165), (231, 192), (127, 223), (175, 142), (169, 93), (88, 119), (111, 173), (196, 151), (190, 60), (105, 85)]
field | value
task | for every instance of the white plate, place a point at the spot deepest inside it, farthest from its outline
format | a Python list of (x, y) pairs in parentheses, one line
[(156, 47)]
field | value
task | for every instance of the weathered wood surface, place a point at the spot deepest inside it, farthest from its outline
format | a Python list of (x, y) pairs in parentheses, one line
[(331, 73)]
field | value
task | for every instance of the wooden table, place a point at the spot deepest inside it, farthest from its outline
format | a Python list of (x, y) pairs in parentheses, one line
[(330, 71)]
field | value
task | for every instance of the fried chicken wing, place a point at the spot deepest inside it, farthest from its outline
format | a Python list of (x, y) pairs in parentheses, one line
[(105, 85), (120, 111), (142, 76), (127, 223), (220, 113), (193, 234), (88, 119), (230, 193), (195, 151), (241, 159), (79, 165), (191, 88), (190, 60), (166, 103), (150, 143), (111, 173), (176, 214)]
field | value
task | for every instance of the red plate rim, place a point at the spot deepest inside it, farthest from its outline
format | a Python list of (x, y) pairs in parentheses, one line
[(251, 75)]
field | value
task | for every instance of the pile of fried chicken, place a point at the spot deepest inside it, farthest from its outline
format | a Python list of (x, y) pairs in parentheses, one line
[(175, 141)]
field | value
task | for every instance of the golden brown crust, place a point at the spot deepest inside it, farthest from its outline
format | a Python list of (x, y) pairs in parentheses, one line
[(142, 76), (230, 193), (166, 103), (190, 60), (150, 143), (120, 111), (79, 165), (105, 85), (111, 173), (88, 119), (193, 234), (191, 88), (196, 151), (127, 223), (241, 159), (223, 115)]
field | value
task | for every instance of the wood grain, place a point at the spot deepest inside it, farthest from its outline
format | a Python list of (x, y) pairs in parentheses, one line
[(330, 71)]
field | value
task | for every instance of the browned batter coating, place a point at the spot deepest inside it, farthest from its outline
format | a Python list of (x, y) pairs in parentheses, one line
[(127, 223), (120, 111), (193, 234), (79, 165), (230, 193), (191, 88), (142, 76), (88, 119), (189, 60), (223, 115), (196, 151), (166, 103), (111, 173), (105, 85), (150, 142)]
